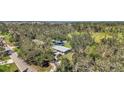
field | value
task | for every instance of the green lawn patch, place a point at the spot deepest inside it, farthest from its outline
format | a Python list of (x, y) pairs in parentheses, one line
[(98, 36), (8, 68), (69, 56), (67, 44)]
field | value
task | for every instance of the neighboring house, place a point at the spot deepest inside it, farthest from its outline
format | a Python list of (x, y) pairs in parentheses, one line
[(59, 48)]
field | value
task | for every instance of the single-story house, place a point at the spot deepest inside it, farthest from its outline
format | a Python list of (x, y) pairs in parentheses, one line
[(61, 49)]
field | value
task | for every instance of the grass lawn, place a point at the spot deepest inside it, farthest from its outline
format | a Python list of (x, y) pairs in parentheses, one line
[(8, 68), (68, 56), (67, 45), (98, 36)]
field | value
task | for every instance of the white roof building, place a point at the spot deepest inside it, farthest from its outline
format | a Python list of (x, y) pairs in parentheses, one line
[(61, 48)]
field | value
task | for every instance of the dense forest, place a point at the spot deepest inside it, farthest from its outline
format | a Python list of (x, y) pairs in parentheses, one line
[(95, 46)]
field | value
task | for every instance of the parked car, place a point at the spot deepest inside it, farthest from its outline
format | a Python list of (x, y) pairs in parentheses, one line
[(9, 52)]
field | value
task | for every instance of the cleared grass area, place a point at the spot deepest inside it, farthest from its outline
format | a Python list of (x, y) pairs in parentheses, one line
[(67, 45), (8, 68), (68, 56), (98, 36)]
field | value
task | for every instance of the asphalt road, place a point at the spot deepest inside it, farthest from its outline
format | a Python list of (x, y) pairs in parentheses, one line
[(22, 66)]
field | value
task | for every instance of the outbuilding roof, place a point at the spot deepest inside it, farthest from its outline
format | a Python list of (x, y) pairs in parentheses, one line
[(61, 48)]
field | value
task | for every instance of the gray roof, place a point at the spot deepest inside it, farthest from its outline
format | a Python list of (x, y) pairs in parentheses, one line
[(61, 48)]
